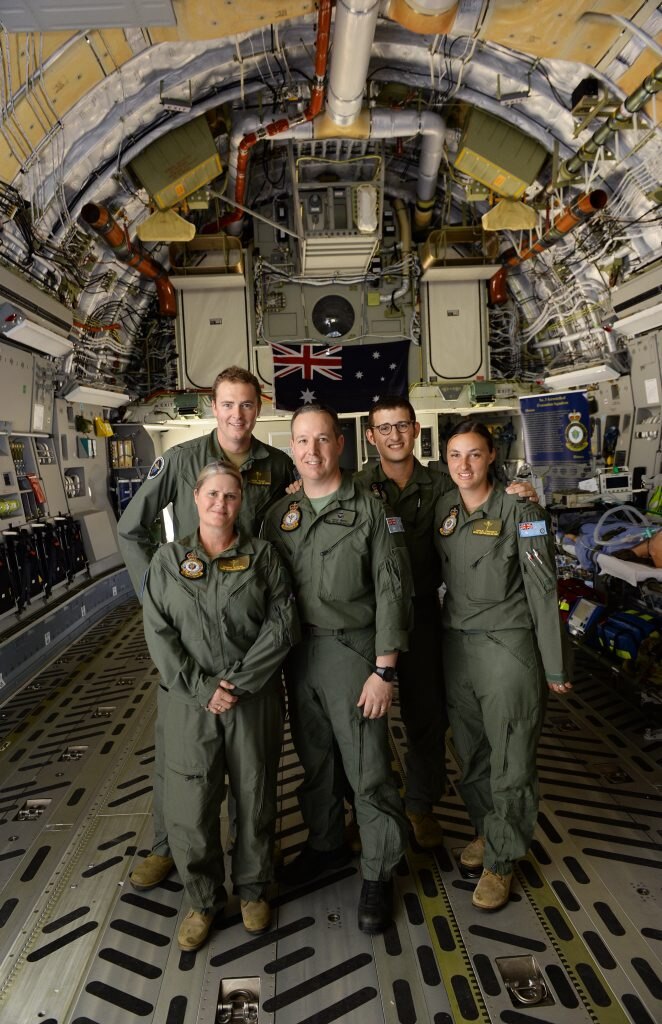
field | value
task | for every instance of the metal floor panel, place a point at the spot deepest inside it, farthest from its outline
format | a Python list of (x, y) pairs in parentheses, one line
[(79, 946)]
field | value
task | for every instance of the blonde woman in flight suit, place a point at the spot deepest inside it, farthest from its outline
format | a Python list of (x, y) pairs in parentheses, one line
[(219, 619), (502, 650)]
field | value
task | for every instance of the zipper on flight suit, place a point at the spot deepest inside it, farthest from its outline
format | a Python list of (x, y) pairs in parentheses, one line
[(532, 565), (490, 551)]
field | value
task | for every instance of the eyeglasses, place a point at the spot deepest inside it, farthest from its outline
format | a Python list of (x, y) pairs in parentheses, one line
[(402, 426)]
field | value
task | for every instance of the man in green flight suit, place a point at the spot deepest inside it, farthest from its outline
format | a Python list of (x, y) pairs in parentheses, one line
[(411, 491), (265, 471), (351, 575)]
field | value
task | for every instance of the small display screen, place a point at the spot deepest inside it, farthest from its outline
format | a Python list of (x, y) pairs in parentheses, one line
[(618, 480)]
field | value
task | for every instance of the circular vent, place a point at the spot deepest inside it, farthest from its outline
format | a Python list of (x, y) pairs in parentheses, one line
[(333, 316)]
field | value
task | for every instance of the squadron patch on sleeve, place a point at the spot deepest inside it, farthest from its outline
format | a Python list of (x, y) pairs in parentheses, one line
[(157, 467), (292, 518), (450, 522), (537, 528), (193, 568), (395, 524)]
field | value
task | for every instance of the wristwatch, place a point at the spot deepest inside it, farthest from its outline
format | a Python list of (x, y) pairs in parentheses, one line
[(387, 673)]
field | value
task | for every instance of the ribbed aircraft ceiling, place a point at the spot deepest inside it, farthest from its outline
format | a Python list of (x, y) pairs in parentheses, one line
[(79, 106)]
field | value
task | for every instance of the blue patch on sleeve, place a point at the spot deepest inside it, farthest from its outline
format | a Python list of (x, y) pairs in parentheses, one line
[(538, 528)]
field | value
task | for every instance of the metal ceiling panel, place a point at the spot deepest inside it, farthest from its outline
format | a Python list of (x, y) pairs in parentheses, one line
[(55, 15)]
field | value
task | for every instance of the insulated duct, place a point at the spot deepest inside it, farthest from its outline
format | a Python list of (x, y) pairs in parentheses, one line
[(102, 221)]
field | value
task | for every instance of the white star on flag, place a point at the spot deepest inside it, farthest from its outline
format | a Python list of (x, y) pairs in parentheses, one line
[(307, 396), (376, 355), (358, 374)]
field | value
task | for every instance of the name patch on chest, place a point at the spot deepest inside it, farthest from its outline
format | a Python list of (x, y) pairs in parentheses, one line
[(258, 477), (488, 527), (341, 517), (236, 564), (536, 528), (395, 524)]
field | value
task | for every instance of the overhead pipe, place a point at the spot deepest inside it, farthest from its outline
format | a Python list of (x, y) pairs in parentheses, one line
[(353, 34), (616, 122), (102, 221), (239, 156), (582, 209)]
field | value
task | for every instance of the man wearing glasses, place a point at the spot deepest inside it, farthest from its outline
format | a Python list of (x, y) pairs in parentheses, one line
[(411, 491)]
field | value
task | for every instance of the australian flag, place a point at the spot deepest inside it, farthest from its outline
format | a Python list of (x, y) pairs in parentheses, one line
[(347, 377)]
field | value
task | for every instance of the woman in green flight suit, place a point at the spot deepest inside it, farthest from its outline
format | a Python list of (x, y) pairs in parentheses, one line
[(219, 618), (502, 650)]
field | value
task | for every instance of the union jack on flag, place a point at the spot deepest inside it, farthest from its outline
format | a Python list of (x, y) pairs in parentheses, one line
[(308, 360)]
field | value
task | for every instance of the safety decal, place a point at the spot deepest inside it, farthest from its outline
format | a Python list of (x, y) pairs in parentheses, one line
[(292, 518), (193, 568), (537, 528), (450, 522), (157, 467)]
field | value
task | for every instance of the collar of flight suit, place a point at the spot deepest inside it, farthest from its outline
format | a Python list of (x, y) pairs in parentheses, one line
[(346, 489), (243, 546), (256, 452), (491, 509)]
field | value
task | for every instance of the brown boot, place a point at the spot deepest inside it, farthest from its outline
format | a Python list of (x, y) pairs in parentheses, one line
[(426, 829), (492, 891), (151, 871), (472, 855), (256, 915), (194, 929)]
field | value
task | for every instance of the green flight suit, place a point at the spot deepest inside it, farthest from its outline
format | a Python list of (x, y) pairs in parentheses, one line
[(421, 689), (266, 474), (502, 638), (172, 478), (352, 582), (231, 617)]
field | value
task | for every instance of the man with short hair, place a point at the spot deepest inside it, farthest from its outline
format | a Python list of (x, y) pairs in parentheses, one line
[(351, 575), (266, 472)]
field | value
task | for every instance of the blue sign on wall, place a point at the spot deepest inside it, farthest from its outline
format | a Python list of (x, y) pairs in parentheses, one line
[(557, 437)]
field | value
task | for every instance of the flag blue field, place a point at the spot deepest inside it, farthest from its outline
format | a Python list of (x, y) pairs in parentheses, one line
[(347, 377)]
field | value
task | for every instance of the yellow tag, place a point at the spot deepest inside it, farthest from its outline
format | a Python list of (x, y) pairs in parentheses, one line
[(488, 527), (236, 564)]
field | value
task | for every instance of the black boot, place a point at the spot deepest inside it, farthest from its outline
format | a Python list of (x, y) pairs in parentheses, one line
[(375, 907), (310, 863)]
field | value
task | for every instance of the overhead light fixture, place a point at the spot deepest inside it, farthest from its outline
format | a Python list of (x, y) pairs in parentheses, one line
[(640, 322), (96, 396), (581, 377), (16, 326)]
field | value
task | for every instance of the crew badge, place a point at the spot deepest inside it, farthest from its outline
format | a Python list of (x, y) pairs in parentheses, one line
[(157, 467), (292, 518), (450, 522), (193, 568), (378, 490)]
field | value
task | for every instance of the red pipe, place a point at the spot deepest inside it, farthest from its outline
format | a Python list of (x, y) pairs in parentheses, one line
[(102, 221), (580, 210), (277, 127)]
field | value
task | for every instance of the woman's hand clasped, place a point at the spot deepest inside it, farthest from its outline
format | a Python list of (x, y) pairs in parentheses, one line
[(222, 700)]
